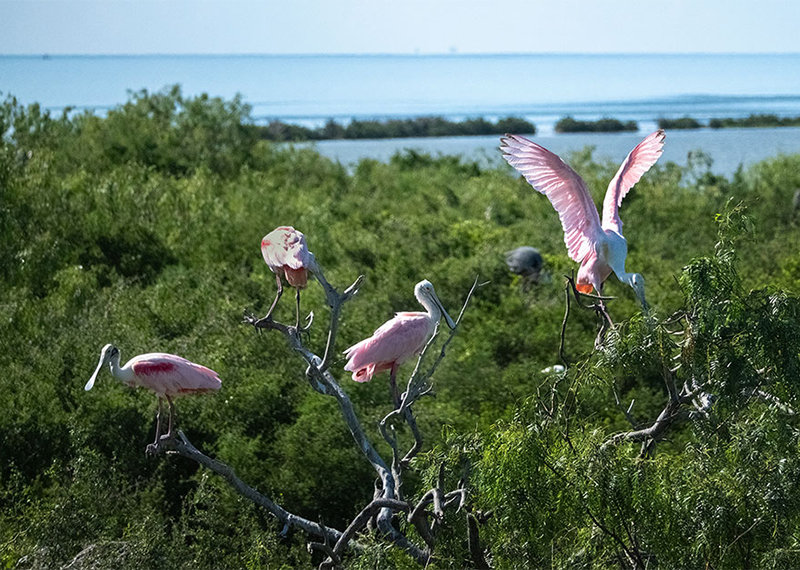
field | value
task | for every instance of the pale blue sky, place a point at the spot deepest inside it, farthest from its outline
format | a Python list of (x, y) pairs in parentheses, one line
[(403, 27)]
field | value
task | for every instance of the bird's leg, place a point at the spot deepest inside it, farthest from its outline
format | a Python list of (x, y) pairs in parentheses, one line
[(603, 307), (604, 317), (393, 385), (170, 435), (153, 447), (297, 296), (268, 316)]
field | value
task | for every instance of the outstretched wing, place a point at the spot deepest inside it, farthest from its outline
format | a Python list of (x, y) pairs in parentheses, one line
[(632, 169), (551, 176)]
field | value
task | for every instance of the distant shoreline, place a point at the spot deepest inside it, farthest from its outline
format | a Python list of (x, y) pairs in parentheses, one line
[(437, 126), (419, 127)]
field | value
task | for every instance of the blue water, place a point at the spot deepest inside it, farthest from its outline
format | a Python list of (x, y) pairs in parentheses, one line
[(543, 88), (728, 148)]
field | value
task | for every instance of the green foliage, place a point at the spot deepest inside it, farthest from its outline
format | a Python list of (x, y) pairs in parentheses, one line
[(393, 128), (142, 228), (721, 493), (604, 125), (681, 123), (755, 121)]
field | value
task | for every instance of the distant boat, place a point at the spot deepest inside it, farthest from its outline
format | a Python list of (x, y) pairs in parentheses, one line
[(45, 56)]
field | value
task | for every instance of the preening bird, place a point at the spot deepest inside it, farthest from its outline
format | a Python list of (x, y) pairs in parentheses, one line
[(286, 253), (599, 248), (397, 340), (165, 374)]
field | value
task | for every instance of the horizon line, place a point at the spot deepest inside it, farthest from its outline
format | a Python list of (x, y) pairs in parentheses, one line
[(395, 54)]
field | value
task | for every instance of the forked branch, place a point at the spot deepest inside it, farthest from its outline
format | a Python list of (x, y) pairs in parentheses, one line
[(387, 498)]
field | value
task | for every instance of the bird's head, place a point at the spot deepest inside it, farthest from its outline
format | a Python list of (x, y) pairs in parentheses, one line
[(637, 284), (427, 297), (106, 355)]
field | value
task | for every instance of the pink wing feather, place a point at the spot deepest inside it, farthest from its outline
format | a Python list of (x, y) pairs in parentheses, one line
[(395, 341), (285, 246), (172, 375), (551, 176), (638, 161)]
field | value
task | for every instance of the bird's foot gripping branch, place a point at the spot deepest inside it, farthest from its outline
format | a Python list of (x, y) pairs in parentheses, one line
[(426, 514)]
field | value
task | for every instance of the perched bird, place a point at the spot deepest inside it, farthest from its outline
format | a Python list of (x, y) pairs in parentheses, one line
[(525, 261), (599, 248), (397, 340), (165, 374), (286, 253)]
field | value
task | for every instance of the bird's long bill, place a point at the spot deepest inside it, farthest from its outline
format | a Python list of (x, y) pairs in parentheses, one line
[(446, 316), (643, 301), (90, 383)]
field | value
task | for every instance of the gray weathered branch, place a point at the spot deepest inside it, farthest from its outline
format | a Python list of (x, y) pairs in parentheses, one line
[(185, 448), (669, 416), (321, 379)]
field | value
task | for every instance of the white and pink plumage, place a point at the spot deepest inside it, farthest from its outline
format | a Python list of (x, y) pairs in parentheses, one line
[(286, 253), (397, 340), (600, 248), (166, 375)]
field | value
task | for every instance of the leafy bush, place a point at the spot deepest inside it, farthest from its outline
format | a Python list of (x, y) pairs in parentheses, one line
[(681, 123), (142, 228), (394, 128), (755, 121), (604, 125)]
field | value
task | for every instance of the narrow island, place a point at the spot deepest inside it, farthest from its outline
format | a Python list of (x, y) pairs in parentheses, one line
[(421, 127), (279, 131), (681, 123), (755, 121), (604, 125)]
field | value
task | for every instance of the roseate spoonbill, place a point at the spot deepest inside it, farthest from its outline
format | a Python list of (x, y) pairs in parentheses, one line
[(525, 261), (397, 340), (599, 248), (165, 374), (286, 253)]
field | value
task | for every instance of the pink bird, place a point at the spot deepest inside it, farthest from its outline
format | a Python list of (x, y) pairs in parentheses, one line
[(397, 340), (286, 253), (165, 374), (599, 248)]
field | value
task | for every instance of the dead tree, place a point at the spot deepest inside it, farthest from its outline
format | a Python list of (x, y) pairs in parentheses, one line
[(426, 514)]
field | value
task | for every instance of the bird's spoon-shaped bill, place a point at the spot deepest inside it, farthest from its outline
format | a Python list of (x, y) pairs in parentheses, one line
[(90, 383), (448, 319)]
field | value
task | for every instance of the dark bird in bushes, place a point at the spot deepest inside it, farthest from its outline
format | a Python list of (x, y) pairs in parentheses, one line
[(525, 261)]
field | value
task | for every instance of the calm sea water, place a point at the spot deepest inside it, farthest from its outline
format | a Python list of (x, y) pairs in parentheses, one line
[(728, 148), (542, 88)]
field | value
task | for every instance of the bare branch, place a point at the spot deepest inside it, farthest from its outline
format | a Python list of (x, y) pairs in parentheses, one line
[(333, 560), (669, 416), (363, 518), (627, 413), (418, 382), (599, 308), (185, 448), (561, 344), (474, 543), (322, 381)]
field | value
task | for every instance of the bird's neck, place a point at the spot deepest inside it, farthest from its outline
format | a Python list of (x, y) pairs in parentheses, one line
[(625, 277), (120, 373), (433, 309)]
